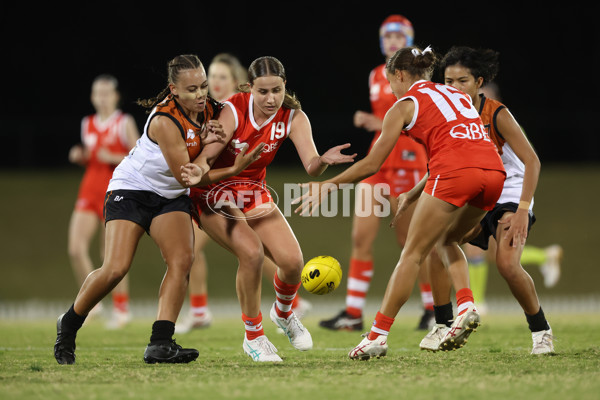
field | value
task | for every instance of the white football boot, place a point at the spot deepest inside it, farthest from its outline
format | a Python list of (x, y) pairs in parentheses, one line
[(551, 268), (431, 341), (261, 349), (118, 320), (367, 348), (456, 336), (542, 342), (194, 322), (298, 335)]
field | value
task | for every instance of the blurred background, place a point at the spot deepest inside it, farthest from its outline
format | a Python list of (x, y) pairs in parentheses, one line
[(50, 56)]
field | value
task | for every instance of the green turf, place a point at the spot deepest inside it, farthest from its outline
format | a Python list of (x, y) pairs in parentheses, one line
[(495, 364), (36, 206)]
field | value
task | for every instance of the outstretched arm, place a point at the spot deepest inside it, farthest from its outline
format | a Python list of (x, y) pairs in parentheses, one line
[(314, 164), (395, 120)]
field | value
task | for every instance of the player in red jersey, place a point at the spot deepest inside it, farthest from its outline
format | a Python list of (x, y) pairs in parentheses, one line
[(106, 137), (402, 170), (238, 211), (464, 180), (147, 195), (225, 75), (509, 222)]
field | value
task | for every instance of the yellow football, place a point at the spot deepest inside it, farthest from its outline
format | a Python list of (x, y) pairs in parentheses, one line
[(321, 275)]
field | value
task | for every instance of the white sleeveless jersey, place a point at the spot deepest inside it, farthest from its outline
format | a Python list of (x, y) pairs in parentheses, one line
[(515, 174), (145, 168)]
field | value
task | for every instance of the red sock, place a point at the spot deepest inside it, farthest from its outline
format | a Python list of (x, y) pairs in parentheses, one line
[(381, 326), (120, 302), (359, 280), (253, 326), (285, 294), (464, 299), (198, 304), (426, 296)]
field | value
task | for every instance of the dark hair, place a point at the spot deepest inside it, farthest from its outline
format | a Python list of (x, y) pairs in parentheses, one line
[(418, 63), (270, 66), (481, 62), (174, 67)]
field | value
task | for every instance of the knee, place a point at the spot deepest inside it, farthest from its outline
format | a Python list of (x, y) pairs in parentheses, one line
[(77, 250), (291, 262), (507, 267), (182, 261), (251, 257), (114, 274)]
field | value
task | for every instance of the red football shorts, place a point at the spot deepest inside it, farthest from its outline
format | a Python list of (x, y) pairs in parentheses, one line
[(398, 180), (243, 195), (477, 187)]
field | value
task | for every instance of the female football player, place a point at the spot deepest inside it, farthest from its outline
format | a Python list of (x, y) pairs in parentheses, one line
[(106, 137), (509, 222), (238, 211), (146, 194), (464, 181)]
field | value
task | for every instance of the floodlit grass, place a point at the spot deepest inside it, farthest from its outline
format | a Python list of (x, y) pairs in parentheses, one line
[(495, 364)]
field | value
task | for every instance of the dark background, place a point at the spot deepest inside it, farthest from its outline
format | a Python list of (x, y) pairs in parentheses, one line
[(548, 57)]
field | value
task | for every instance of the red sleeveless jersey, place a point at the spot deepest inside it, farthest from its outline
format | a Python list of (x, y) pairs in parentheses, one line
[(450, 128), (96, 134), (407, 154), (272, 132)]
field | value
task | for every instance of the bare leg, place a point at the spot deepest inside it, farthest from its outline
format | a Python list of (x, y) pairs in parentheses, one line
[(82, 228), (508, 260), (122, 238), (173, 233), (236, 236), (430, 220)]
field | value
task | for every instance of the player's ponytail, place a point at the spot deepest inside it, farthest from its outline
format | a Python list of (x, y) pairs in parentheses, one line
[(174, 67), (419, 63), (270, 66)]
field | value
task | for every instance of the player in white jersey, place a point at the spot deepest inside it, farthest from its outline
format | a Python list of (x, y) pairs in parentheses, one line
[(147, 194)]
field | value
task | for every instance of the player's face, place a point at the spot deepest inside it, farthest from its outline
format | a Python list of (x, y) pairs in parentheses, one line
[(462, 79), (268, 92), (191, 89), (392, 42), (104, 97), (221, 83)]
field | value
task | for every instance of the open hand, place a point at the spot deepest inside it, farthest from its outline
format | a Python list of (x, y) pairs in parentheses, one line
[(244, 159), (316, 193), (334, 155), (191, 174)]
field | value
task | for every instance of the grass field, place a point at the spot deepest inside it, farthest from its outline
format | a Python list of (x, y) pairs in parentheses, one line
[(495, 364), (36, 206)]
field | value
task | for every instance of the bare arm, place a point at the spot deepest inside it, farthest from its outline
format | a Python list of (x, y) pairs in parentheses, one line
[(395, 120), (164, 132), (514, 136), (199, 173), (314, 164)]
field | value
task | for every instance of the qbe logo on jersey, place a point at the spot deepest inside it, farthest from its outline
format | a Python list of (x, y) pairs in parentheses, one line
[(242, 194)]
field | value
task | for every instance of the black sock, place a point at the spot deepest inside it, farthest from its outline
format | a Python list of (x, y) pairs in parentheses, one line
[(72, 321), (443, 314), (537, 322), (162, 331)]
